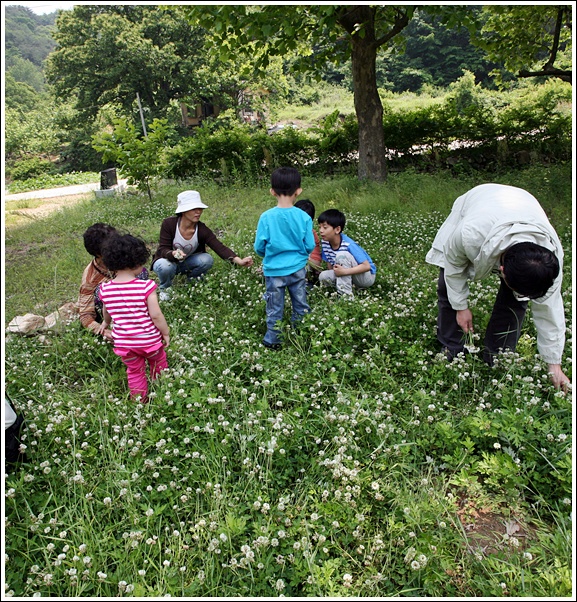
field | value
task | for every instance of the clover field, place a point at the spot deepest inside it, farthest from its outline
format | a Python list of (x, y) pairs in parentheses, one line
[(355, 462)]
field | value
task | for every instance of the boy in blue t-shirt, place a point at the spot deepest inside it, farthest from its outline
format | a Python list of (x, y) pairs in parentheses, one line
[(284, 238), (348, 262)]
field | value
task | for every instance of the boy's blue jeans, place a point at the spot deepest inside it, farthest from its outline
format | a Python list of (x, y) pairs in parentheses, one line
[(194, 266), (274, 297)]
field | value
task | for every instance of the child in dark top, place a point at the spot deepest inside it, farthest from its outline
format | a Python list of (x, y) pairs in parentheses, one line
[(284, 238), (314, 266), (349, 264)]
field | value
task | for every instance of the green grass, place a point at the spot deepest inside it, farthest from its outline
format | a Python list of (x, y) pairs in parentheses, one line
[(353, 463), (52, 181)]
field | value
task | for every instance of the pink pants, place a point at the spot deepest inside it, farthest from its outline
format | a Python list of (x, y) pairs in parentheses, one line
[(135, 361)]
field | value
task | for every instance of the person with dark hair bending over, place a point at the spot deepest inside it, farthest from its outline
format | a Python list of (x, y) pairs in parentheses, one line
[(501, 229), (140, 331)]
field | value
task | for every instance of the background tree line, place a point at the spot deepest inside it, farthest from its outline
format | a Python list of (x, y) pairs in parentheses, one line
[(85, 68)]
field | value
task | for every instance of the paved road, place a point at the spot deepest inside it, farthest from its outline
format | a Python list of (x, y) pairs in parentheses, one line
[(51, 193)]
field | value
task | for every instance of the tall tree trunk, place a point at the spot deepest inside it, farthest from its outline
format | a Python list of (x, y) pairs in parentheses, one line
[(359, 22), (369, 110)]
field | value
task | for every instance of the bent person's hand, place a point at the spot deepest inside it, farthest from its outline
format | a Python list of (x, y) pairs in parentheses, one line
[(558, 378), (465, 320)]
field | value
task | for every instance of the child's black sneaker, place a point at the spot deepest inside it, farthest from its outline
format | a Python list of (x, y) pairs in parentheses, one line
[(273, 346)]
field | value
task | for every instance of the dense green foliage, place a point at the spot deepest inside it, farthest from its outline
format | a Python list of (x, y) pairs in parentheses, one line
[(98, 76), (353, 463), (108, 54), (430, 55), (469, 129), (28, 41), (530, 41)]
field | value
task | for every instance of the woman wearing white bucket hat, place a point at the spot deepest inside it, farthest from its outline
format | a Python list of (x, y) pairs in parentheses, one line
[(183, 241)]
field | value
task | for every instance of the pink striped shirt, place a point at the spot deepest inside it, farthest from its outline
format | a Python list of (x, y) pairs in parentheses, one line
[(126, 304)]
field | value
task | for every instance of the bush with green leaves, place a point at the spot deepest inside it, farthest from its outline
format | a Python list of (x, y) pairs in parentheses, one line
[(139, 157), (30, 168), (469, 129)]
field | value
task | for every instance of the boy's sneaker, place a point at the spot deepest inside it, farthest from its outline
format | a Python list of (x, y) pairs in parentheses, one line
[(164, 294), (273, 346)]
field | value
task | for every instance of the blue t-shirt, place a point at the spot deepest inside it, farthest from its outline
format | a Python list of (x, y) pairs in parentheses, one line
[(347, 244), (284, 238)]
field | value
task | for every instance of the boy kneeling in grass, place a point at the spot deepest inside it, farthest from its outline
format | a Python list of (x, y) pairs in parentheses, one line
[(349, 264)]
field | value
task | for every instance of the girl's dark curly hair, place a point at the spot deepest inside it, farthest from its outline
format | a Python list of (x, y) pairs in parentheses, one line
[(95, 235), (124, 251)]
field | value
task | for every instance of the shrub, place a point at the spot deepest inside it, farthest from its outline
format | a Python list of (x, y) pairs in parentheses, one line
[(30, 168)]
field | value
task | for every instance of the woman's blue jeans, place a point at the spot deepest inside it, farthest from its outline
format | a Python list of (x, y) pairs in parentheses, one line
[(194, 266), (274, 297)]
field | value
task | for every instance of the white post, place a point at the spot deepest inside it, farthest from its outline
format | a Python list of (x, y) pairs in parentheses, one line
[(141, 114)]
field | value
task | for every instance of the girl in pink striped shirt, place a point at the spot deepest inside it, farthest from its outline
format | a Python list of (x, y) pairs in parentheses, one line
[(140, 332)]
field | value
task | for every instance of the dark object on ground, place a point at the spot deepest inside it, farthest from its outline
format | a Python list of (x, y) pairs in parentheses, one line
[(12, 453), (108, 178)]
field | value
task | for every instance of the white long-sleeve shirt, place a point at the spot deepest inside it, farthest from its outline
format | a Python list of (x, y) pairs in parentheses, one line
[(482, 225)]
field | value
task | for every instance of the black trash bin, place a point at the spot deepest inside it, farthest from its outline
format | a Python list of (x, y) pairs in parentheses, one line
[(108, 178)]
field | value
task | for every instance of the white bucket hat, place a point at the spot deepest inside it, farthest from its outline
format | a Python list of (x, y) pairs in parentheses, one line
[(189, 199)]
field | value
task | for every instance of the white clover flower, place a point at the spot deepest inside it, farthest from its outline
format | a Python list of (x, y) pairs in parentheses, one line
[(107, 501), (410, 554), (149, 512), (279, 585), (415, 565)]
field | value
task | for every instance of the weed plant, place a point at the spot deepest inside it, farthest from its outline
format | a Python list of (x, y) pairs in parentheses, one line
[(355, 462)]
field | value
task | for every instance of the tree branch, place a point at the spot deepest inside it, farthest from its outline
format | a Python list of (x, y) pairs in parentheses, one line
[(562, 74), (556, 35), (400, 23)]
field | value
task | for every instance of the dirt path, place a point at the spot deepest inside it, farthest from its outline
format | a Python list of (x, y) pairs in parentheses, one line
[(16, 213)]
